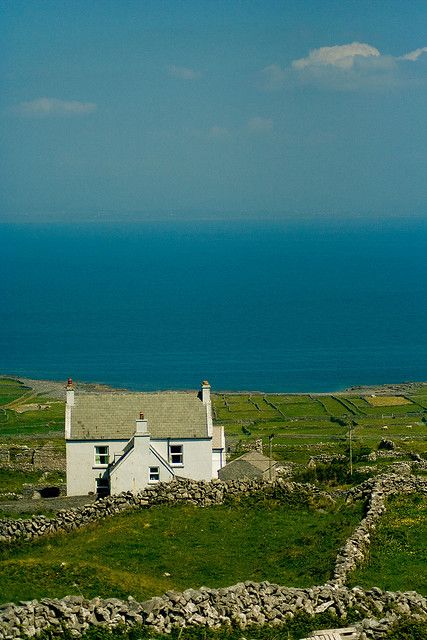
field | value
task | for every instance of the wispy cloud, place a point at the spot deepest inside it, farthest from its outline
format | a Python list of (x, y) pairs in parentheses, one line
[(260, 125), (54, 107), (217, 132), (183, 73), (273, 77), (414, 55), (346, 67)]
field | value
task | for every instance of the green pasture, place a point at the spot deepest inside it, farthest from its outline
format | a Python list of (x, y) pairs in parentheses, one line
[(14, 396), (11, 390), (146, 553), (398, 554)]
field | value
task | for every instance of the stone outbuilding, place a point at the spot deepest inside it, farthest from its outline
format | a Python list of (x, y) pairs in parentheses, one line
[(252, 464)]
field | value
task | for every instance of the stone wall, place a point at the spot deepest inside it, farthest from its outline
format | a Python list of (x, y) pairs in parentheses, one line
[(242, 604), (23, 458), (201, 493)]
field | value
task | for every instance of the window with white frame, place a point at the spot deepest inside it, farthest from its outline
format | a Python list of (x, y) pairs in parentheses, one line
[(175, 454), (101, 456), (154, 474)]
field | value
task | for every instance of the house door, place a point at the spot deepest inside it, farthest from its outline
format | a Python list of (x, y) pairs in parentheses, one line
[(102, 487)]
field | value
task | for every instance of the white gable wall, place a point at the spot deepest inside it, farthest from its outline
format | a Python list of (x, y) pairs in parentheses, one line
[(81, 469)]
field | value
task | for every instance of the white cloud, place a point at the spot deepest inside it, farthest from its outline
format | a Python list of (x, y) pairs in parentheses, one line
[(342, 56), (414, 55), (260, 125), (348, 67), (273, 77), (53, 106), (183, 73)]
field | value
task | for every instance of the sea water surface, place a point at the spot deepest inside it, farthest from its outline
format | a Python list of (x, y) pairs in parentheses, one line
[(285, 306)]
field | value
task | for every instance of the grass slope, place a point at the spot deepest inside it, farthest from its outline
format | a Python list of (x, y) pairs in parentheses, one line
[(134, 553)]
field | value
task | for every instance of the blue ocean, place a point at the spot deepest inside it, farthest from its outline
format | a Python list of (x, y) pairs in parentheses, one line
[(248, 305)]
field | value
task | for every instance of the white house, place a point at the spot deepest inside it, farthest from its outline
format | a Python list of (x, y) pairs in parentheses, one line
[(125, 441)]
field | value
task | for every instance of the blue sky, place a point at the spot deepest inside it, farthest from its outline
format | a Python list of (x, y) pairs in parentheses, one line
[(123, 110)]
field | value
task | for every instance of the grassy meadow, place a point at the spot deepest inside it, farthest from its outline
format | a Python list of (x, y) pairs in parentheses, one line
[(398, 554), (146, 553)]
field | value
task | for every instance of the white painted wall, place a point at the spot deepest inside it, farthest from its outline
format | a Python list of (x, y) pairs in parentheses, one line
[(81, 469), (197, 457), (133, 473)]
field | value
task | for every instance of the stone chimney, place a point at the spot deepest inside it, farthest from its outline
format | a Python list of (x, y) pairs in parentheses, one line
[(70, 392), (206, 399), (69, 407), (206, 392), (141, 425)]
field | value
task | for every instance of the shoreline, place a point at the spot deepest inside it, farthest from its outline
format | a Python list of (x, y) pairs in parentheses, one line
[(57, 387)]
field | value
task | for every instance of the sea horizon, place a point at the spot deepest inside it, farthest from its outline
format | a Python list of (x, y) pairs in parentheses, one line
[(276, 306)]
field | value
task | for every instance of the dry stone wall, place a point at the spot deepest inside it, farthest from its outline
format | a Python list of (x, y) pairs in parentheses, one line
[(200, 493), (243, 604), (23, 458)]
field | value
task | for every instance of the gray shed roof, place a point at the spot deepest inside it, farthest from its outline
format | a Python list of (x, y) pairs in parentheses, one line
[(109, 416), (252, 464)]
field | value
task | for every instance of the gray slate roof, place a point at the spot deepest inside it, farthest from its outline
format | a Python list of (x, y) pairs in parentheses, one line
[(109, 416)]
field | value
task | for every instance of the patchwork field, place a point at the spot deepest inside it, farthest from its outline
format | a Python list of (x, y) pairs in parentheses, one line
[(304, 425)]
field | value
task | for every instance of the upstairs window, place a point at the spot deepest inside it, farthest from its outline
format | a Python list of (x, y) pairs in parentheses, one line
[(101, 456), (175, 454)]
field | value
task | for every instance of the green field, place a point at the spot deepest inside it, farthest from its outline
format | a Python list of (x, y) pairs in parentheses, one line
[(398, 554), (146, 553), (23, 412)]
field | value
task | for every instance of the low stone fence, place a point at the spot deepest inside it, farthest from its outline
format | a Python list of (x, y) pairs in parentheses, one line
[(201, 493), (241, 605)]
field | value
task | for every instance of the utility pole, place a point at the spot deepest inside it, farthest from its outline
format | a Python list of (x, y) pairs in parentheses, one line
[(270, 443), (350, 447)]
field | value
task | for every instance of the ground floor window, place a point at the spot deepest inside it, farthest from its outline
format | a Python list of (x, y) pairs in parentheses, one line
[(175, 454), (101, 456), (154, 474)]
